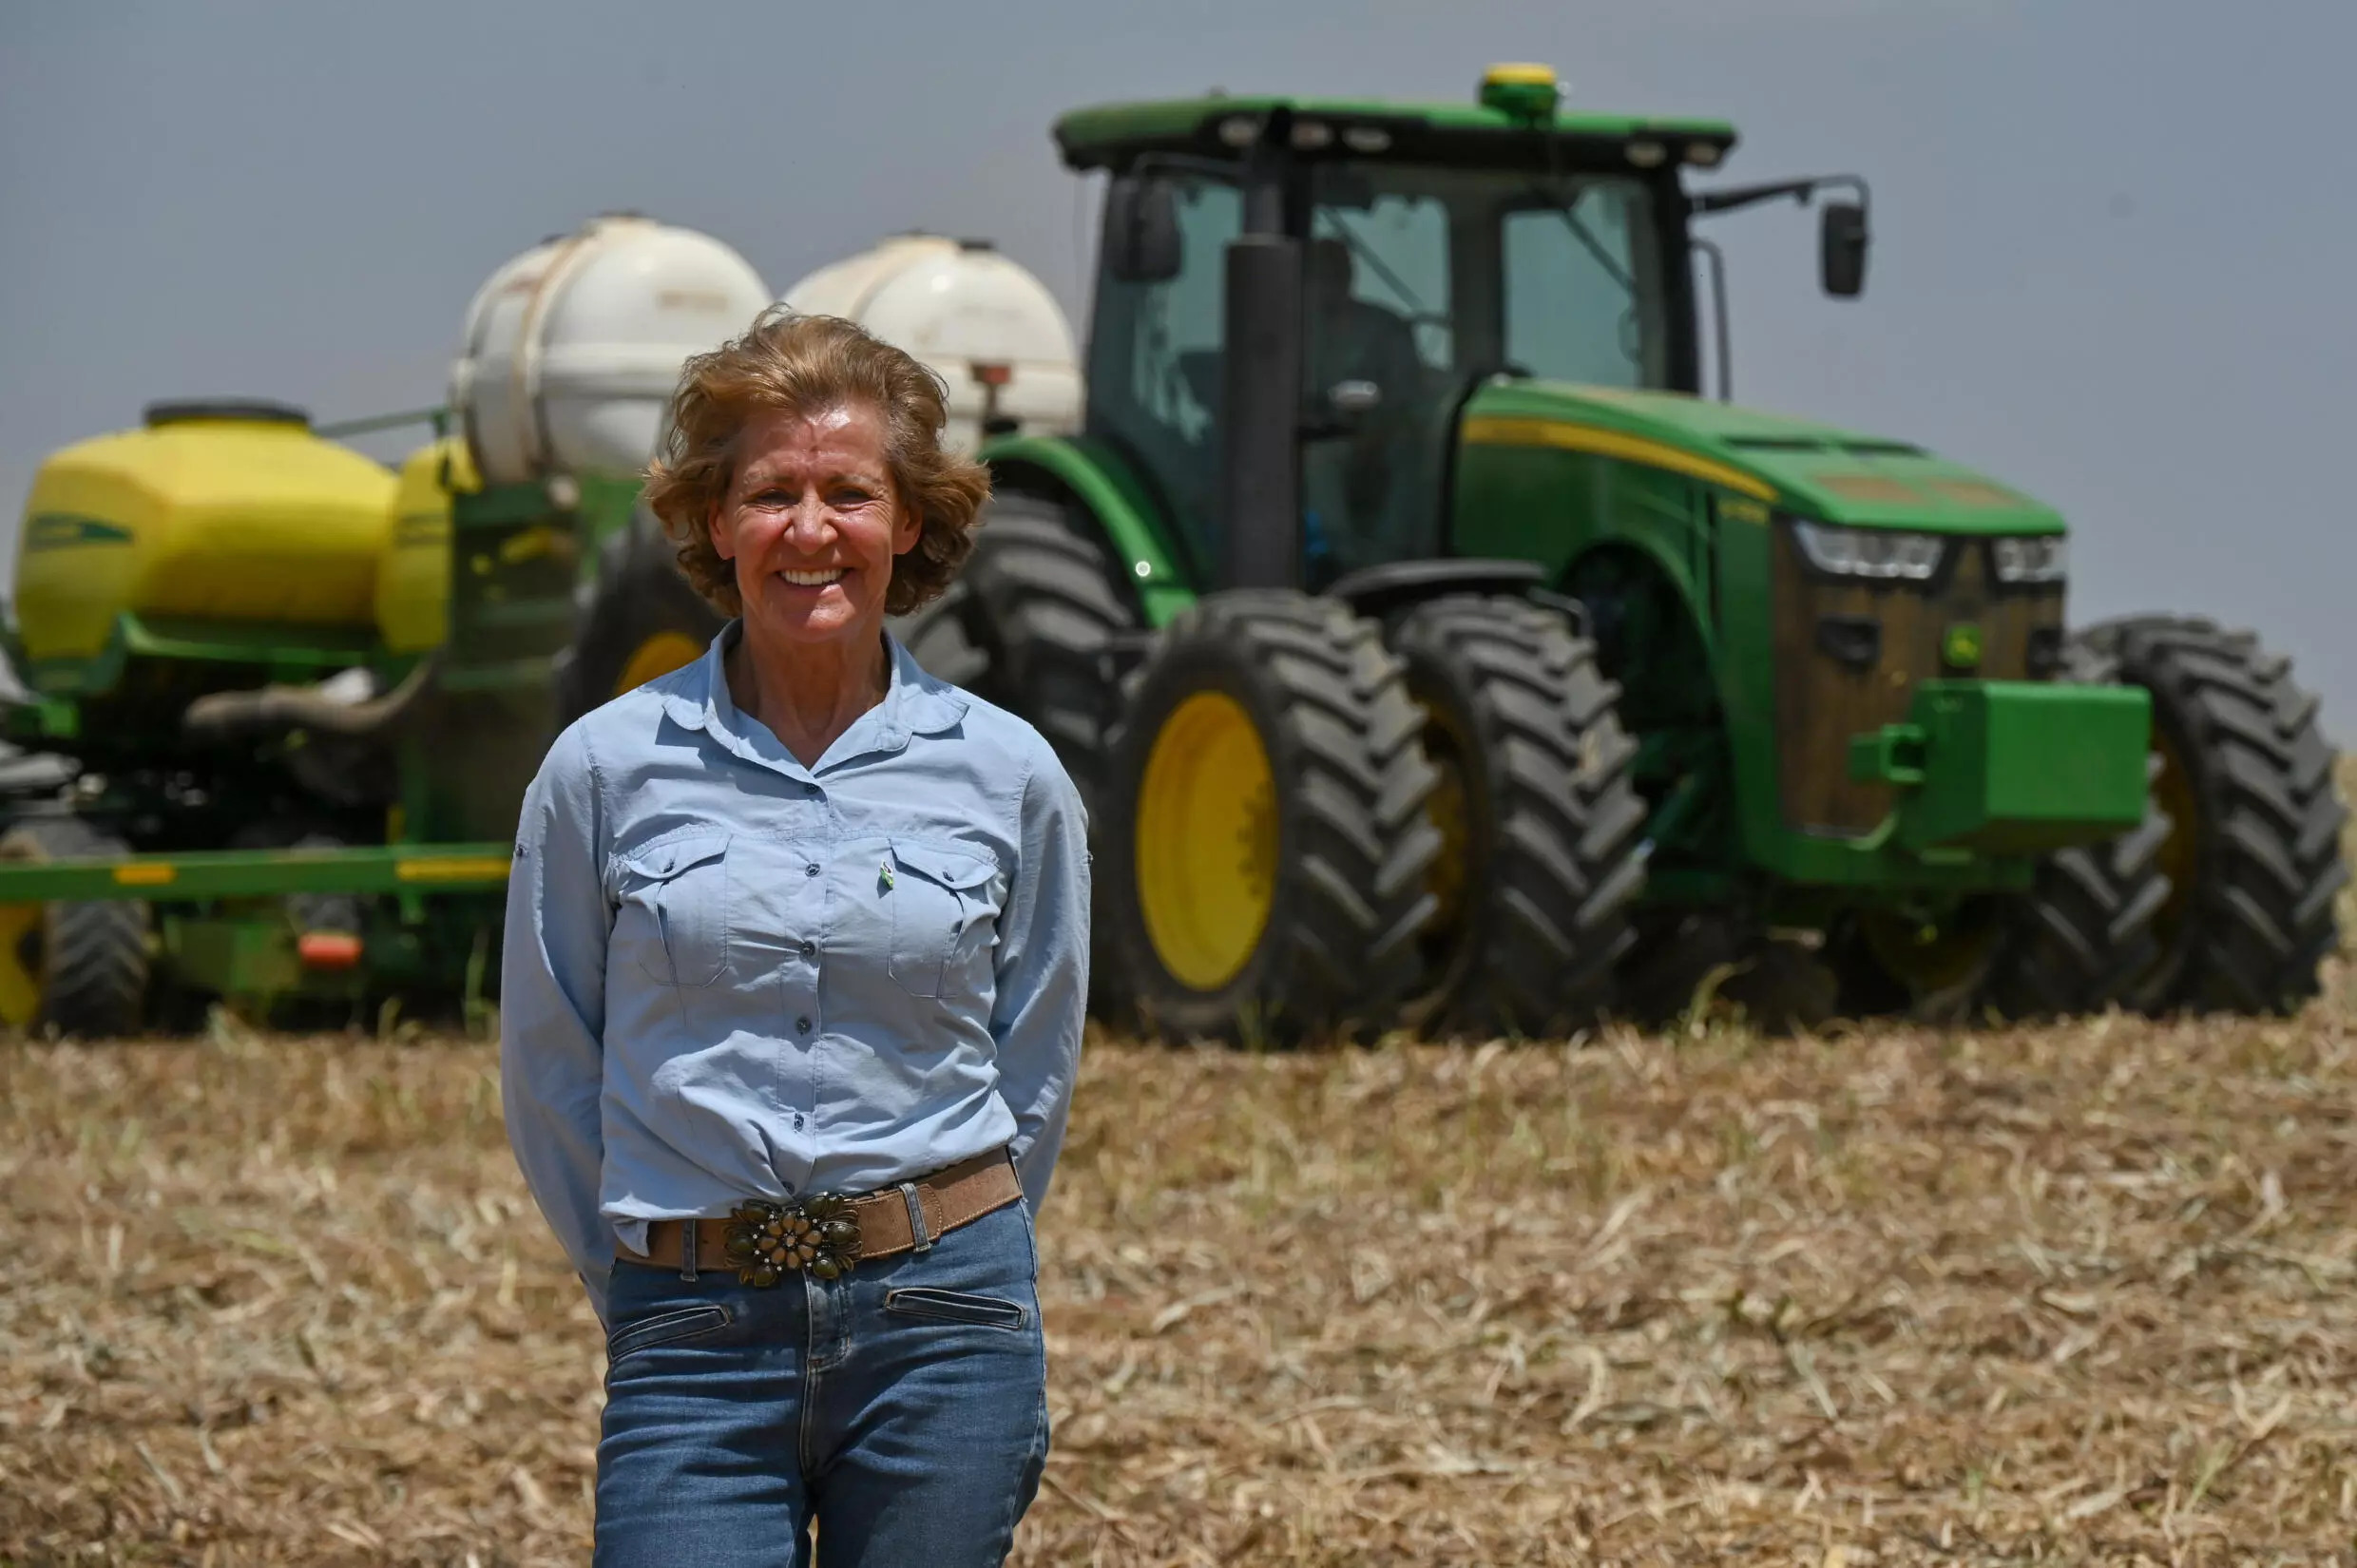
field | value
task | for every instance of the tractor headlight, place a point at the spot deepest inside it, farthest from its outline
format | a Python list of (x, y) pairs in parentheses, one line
[(1869, 552), (2039, 558)]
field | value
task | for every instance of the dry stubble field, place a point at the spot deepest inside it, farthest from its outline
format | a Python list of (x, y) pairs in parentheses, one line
[(1893, 1297)]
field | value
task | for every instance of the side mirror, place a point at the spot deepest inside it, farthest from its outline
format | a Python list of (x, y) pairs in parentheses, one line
[(1841, 248), (1142, 230)]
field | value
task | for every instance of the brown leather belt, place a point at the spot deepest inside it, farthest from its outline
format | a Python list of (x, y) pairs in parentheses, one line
[(765, 1241)]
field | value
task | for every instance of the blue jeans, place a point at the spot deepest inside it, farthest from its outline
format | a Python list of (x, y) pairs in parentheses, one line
[(903, 1407)]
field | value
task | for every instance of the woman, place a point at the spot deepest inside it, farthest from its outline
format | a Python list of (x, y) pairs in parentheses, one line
[(791, 1002)]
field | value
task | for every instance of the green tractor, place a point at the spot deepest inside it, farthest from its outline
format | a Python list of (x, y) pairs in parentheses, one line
[(1433, 651)]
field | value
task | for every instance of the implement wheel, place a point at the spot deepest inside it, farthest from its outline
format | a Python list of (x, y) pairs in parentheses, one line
[(1540, 821), (71, 967), (2253, 847), (1267, 816), (644, 622)]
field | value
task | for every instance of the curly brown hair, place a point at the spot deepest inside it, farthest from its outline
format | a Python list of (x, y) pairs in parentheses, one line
[(804, 365)]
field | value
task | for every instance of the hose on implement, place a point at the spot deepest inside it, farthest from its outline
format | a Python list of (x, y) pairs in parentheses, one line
[(221, 716)]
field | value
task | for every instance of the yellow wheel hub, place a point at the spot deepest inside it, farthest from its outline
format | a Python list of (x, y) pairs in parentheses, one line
[(20, 973), (658, 655), (1207, 841)]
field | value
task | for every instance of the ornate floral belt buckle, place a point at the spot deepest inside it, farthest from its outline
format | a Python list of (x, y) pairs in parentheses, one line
[(766, 1241)]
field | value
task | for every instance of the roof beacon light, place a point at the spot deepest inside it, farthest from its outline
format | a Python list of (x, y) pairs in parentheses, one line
[(1521, 91)]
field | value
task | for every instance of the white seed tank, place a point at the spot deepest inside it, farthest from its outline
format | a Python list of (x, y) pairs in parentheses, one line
[(572, 349), (986, 325)]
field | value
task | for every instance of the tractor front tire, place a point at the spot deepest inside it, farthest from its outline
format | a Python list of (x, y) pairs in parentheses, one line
[(2076, 942), (1270, 845), (1541, 825), (2253, 846), (76, 968)]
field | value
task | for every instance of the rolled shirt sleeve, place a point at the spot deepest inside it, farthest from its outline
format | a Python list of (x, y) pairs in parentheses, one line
[(552, 1005), (1042, 973)]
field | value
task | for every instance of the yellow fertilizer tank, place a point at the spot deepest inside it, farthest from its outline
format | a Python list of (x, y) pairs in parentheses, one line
[(413, 585), (211, 512)]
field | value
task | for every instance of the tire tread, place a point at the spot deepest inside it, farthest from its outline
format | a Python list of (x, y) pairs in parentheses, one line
[(1547, 916)]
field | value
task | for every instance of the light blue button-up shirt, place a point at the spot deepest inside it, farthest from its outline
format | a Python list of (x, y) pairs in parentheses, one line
[(727, 975)]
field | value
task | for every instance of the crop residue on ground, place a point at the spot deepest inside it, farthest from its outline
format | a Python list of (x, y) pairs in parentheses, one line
[(1878, 1296)]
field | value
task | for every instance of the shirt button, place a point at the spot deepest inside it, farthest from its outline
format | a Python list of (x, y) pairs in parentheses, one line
[(809, 950), (811, 869), (801, 1025)]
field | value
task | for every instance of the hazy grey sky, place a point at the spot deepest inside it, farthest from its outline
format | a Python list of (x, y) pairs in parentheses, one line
[(2112, 252)]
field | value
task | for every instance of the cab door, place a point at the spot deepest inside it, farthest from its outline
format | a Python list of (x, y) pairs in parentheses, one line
[(1157, 350), (1380, 361)]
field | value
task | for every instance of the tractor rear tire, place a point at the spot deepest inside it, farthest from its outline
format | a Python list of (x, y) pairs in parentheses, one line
[(1267, 814), (2254, 846), (643, 621), (1542, 824), (2078, 940), (75, 967)]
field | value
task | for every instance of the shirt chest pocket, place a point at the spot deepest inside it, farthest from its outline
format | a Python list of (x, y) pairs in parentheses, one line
[(675, 913), (942, 913)]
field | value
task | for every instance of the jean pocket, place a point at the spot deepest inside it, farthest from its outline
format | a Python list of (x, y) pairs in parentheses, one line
[(665, 1328), (956, 1306)]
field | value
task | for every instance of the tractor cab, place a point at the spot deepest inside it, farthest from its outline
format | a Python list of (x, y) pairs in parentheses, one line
[(1411, 256)]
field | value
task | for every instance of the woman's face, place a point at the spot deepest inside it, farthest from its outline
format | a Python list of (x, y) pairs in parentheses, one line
[(812, 525)]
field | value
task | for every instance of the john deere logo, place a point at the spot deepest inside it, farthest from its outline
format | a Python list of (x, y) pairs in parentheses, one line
[(63, 530), (1962, 646)]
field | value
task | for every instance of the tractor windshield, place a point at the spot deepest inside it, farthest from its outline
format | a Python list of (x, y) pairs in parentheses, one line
[(1478, 267), (1421, 278)]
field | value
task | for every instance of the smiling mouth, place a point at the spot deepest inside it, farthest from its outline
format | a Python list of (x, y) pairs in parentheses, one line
[(814, 580)]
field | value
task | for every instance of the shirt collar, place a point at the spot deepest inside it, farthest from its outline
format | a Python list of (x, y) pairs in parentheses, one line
[(914, 703)]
